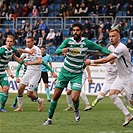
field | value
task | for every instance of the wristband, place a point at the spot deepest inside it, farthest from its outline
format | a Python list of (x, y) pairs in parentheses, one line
[(92, 61)]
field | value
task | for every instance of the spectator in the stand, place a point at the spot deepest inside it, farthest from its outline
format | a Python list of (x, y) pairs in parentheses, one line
[(62, 11), (21, 38), (42, 38), (70, 30), (129, 10), (50, 37), (9, 13), (118, 7), (28, 33), (70, 10), (36, 36), (87, 34), (43, 11), (44, 2), (34, 11), (77, 10), (8, 32), (127, 27), (58, 38), (115, 25), (25, 10), (22, 25), (121, 27), (129, 44), (43, 26), (111, 11), (18, 11), (16, 35), (27, 27), (83, 9), (7, 2), (30, 5), (86, 25), (94, 28), (97, 11), (4, 10), (35, 25), (107, 26), (104, 10), (101, 24), (131, 31)]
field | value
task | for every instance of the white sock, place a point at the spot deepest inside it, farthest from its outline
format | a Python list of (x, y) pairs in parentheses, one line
[(84, 98), (39, 100), (99, 97), (126, 99), (20, 101), (69, 100), (118, 102)]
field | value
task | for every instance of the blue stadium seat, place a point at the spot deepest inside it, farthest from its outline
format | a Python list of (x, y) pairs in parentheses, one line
[(65, 33), (119, 13), (53, 58), (124, 40), (60, 58), (52, 49), (94, 39)]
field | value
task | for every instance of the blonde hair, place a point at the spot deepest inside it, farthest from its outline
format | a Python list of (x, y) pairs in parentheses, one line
[(10, 36), (114, 29)]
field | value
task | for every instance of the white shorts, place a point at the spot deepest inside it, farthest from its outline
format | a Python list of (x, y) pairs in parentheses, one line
[(83, 82), (106, 87), (120, 84), (31, 79)]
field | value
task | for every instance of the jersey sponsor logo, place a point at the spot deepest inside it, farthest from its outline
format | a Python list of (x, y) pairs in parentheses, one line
[(75, 52)]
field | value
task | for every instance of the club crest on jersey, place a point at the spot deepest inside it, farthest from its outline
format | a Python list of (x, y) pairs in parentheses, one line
[(75, 52), (81, 46)]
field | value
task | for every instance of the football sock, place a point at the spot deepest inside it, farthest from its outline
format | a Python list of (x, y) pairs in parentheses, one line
[(99, 97), (69, 100), (118, 102), (48, 93), (5, 97), (36, 89), (20, 98), (76, 105), (84, 97), (126, 99), (15, 101), (52, 107)]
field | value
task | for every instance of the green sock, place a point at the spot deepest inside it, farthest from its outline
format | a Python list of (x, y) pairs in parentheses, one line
[(76, 105), (52, 107), (15, 101), (36, 89), (4, 99), (1, 99), (48, 93)]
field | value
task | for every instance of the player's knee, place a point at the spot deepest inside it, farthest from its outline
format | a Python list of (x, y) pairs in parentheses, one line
[(5, 89), (112, 97), (69, 92)]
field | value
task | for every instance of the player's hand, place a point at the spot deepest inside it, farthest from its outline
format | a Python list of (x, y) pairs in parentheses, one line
[(54, 75), (27, 63), (64, 51), (17, 80), (90, 80), (87, 62), (11, 76)]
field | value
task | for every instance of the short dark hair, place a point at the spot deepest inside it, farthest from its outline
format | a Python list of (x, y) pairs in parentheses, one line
[(78, 24), (43, 47)]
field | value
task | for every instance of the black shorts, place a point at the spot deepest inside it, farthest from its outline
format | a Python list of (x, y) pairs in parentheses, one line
[(44, 76)]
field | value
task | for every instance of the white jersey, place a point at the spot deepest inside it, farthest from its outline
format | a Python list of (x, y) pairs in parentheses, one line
[(123, 62), (33, 58), (111, 72)]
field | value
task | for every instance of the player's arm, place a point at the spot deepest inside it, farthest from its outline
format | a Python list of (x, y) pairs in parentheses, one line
[(100, 61), (18, 68), (94, 46), (36, 62), (2, 51), (19, 60), (63, 47), (89, 74), (9, 72)]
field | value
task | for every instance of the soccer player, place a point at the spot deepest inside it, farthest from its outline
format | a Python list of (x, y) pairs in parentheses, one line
[(124, 78), (82, 94), (75, 48), (6, 53), (111, 73), (44, 75), (25, 68), (31, 76)]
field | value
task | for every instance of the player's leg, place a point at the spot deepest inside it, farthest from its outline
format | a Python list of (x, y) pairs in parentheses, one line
[(101, 95), (44, 76), (14, 103), (113, 94), (69, 98)]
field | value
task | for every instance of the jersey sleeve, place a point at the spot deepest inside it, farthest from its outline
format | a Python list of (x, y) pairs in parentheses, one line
[(93, 46), (14, 49), (46, 65), (63, 45), (2, 51), (118, 52)]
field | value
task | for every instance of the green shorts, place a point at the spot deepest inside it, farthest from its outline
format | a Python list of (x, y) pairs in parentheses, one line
[(65, 76), (4, 80)]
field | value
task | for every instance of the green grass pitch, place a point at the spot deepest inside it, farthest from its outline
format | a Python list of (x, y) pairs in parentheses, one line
[(104, 118)]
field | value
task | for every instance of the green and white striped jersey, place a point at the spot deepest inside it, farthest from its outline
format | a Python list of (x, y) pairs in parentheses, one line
[(5, 56), (74, 61)]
